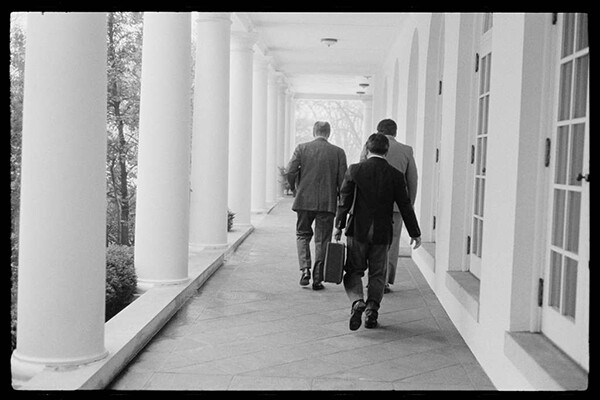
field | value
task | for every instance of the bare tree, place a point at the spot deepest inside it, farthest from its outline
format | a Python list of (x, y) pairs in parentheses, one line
[(344, 116)]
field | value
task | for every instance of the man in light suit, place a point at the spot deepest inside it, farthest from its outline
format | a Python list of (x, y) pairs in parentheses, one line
[(320, 167), (374, 187), (399, 156)]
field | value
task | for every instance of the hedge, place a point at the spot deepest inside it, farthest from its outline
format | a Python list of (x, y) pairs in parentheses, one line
[(121, 283)]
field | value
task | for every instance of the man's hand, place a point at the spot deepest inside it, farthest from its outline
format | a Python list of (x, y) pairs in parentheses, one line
[(337, 235), (416, 241)]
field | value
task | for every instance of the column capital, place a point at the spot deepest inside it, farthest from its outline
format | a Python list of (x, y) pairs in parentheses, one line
[(270, 60), (259, 61), (243, 41), (213, 16), (281, 81), (272, 75)]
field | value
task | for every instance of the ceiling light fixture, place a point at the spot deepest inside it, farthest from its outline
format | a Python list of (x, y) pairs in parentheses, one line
[(329, 41), (360, 92), (363, 85)]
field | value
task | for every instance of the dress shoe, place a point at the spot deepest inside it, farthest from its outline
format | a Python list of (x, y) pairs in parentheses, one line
[(356, 314), (387, 289), (317, 286), (371, 320), (305, 278)]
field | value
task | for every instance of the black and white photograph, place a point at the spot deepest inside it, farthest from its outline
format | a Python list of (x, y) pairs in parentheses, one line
[(275, 201)]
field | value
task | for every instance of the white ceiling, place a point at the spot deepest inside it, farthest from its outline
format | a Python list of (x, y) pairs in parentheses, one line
[(294, 41)]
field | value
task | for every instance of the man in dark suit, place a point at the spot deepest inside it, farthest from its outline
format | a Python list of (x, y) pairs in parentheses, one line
[(399, 156), (378, 186), (320, 167)]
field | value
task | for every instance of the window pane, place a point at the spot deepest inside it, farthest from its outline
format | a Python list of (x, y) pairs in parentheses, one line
[(487, 22), (572, 231), (477, 180), (483, 155), (475, 237), (480, 241), (576, 156), (555, 278), (482, 196), (480, 115), (564, 96), (478, 158), (568, 34), (486, 113), (562, 146), (570, 288), (582, 31), (558, 218), (488, 72), (580, 95), (482, 78)]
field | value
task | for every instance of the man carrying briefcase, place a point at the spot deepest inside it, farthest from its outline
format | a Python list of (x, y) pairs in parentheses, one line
[(378, 186)]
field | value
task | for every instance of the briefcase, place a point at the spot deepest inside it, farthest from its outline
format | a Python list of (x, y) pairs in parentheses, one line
[(333, 268)]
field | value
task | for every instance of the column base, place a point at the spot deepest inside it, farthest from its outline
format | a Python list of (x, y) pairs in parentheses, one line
[(23, 368), (200, 246), (241, 226), (143, 285)]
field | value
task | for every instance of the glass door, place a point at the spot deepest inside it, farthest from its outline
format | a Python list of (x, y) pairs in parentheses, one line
[(479, 147), (438, 135), (565, 310)]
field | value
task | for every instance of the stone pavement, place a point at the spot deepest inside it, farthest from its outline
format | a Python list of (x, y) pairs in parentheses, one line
[(251, 326)]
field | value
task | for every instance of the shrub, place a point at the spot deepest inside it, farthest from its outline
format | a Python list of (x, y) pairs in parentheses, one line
[(283, 180), (121, 280), (13, 305), (230, 216)]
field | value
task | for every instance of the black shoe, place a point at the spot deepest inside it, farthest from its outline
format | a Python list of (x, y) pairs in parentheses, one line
[(387, 289), (318, 286), (356, 314), (371, 320), (305, 278)]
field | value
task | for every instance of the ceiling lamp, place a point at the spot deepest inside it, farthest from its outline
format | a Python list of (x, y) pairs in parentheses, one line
[(363, 85), (329, 41), (360, 92)]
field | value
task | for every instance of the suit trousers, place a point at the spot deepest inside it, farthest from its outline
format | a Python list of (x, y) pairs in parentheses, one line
[(323, 229), (394, 248), (363, 256)]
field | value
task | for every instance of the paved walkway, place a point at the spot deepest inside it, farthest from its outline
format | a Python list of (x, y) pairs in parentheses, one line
[(251, 326)]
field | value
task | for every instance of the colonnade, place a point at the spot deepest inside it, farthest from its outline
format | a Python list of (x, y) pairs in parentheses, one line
[(195, 161)]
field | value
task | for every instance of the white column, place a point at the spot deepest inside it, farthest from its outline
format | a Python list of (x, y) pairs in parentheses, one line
[(259, 134), (210, 139), (62, 259), (292, 126), (271, 175), (287, 138), (368, 128), (281, 89), (163, 185), (240, 136)]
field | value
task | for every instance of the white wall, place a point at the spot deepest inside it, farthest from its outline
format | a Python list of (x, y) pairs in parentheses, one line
[(514, 175)]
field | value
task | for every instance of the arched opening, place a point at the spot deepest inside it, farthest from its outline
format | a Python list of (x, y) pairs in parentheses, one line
[(396, 89), (384, 107), (432, 126), (412, 92)]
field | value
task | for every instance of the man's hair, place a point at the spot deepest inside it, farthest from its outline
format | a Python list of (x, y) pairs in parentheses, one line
[(321, 128), (378, 144), (387, 127)]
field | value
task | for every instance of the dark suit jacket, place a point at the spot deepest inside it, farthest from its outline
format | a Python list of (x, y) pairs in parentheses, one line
[(379, 186), (400, 156), (321, 167)]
